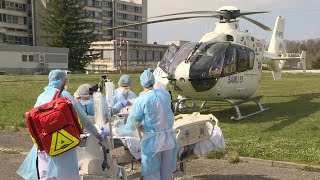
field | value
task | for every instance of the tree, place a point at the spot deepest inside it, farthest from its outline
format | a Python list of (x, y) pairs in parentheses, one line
[(316, 64), (65, 26)]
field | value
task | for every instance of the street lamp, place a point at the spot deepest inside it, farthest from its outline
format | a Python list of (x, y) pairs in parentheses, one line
[(120, 53), (127, 55)]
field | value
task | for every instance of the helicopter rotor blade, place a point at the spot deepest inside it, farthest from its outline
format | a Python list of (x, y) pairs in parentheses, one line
[(264, 27), (235, 14), (249, 13), (160, 21), (183, 13)]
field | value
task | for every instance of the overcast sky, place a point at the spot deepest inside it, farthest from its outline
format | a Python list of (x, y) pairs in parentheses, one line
[(302, 18)]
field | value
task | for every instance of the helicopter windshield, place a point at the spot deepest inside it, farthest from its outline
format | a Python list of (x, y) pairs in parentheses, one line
[(168, 57), (170, 65), (207, 61)]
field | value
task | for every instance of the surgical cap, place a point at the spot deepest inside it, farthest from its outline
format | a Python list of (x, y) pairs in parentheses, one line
[(82, 90), (147, 79), (56, 76), (125, 80)]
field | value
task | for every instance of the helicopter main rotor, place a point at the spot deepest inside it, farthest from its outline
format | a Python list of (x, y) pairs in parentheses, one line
[(226, 14)]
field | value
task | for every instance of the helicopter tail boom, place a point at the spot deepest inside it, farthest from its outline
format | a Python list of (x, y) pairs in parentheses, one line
[(276, 55)]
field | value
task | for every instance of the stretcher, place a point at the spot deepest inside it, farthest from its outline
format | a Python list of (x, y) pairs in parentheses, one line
[(115, 155)]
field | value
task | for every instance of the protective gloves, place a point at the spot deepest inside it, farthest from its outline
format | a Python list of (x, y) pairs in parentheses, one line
[(103, 135), (125, 103)]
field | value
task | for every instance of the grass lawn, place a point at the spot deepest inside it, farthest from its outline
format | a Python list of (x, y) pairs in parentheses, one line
[(289, 131)]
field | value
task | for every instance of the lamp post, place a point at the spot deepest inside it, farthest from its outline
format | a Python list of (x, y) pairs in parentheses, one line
[(127, 55), (120, 54)]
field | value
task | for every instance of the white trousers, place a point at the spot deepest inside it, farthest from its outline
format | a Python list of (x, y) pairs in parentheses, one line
[(165, 167)]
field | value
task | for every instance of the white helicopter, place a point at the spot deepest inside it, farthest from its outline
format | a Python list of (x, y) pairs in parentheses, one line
[(226, 64)]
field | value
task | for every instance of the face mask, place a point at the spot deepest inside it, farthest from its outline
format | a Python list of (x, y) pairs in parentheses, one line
[(85, 102), (124, 90)]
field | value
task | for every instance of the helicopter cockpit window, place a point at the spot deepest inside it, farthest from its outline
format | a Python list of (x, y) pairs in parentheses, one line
[(208, 60), (245, 59), (181, 55), (230, 63)]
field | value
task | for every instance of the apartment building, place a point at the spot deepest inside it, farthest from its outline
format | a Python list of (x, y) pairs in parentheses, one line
[(110, 13), (16, 25)]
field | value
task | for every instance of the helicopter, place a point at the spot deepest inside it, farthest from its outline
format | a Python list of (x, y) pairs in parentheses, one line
[(226, 64)]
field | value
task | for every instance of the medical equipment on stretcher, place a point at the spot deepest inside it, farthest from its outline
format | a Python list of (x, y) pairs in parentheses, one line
[(189, 128)]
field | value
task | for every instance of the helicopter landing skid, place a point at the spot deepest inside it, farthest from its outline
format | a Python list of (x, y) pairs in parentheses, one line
[(193, 108), (236, 106)]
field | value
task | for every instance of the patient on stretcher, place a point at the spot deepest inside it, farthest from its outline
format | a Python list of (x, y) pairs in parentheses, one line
[(133, 142)]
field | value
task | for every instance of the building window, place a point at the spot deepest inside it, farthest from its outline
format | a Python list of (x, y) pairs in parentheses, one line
[(121, 7), (24, 58), (138, 9), (97, 26), (12, 19), (98, 15), (97, 4), (9, 5), (2, 38), (10, 39), (138, 18), (121, 16), (107, 23), (30, 58), (107, 4), (107, 13), (90, 3)]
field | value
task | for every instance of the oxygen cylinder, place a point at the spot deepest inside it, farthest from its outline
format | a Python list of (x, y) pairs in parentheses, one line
[(99, 111)]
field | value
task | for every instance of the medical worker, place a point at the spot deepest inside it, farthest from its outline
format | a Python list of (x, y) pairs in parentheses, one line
[(65, 165), (122, 95), (159, 145), (85, 98)]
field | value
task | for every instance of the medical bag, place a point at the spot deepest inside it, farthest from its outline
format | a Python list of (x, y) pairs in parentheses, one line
[(54, 126)]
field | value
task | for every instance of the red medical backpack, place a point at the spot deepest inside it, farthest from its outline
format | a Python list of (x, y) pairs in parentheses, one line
[(54, 126)]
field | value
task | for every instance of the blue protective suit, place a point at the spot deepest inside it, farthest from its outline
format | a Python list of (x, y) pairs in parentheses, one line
[(118, 97), (153, 110), (89, 108), (65, 165)]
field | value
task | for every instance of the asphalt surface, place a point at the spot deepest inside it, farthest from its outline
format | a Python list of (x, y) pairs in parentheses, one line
[(15, 145)]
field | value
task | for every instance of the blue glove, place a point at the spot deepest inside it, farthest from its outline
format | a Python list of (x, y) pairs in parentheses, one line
[(104, 134), (125, 103), (104, 165)]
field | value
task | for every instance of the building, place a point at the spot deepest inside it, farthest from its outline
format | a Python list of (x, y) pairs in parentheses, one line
[(107, 14), (21, 59), (178, 43), (110, 13), (125, 56), (16, 25)]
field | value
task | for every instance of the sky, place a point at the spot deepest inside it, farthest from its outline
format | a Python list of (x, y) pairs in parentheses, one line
[(302, 18)]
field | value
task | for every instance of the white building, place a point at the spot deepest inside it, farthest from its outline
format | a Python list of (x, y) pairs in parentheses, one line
[(21, 59), (125, 56)]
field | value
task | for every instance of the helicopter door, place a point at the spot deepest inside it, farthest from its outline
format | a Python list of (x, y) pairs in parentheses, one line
[(245, 62), (167, 58), (161, 72)]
